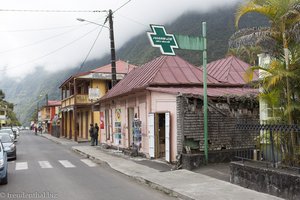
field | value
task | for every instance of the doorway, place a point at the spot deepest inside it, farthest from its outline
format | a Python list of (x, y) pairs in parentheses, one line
[(159, 135)]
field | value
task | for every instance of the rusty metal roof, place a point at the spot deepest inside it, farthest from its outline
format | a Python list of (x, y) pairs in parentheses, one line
[(164, 70), (229, 70)]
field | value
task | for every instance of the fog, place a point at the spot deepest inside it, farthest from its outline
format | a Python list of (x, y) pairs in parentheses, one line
[(46, 33)]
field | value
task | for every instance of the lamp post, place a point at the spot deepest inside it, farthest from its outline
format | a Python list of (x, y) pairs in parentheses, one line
[(112, 44)]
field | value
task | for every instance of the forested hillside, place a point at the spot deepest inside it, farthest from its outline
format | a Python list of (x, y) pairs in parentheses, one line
[(220, 26)]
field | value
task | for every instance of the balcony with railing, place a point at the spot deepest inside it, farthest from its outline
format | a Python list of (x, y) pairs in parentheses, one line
[(80, 99)]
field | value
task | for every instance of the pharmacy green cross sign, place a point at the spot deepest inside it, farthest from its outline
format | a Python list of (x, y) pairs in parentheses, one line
[(167, 42), (159, 38)]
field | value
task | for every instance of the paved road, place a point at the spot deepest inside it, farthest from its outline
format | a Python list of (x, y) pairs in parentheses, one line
[(53, 171)]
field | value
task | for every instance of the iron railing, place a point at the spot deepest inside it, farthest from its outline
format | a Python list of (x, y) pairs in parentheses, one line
[(277, 145)]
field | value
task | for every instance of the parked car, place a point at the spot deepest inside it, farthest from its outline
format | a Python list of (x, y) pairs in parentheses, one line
[(3, 165), (9, 146), (10, 132)]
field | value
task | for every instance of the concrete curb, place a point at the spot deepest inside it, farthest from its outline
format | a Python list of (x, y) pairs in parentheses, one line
[(139, 179), (169, 182), (56, 140)]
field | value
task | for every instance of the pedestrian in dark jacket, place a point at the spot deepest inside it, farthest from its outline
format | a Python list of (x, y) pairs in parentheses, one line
[(96, 133), (92, 134)]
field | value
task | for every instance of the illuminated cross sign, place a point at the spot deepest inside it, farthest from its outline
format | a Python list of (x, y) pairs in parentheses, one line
[(159, 38)]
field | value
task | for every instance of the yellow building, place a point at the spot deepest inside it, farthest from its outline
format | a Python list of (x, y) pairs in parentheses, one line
[(3, 118), (78, 94)]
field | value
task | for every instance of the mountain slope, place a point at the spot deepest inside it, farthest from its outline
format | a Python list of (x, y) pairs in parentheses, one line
[(31, 90)]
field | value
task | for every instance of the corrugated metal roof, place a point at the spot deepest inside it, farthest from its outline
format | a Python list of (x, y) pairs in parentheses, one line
[(211, 92), (122, 67), (229, 70), (74, 76), (54, 102), (164, 70)]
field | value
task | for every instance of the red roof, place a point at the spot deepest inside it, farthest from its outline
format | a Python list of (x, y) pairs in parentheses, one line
[(229, 70), (211, 92), (74, 76), (122, 67), (54, 103), (164, 70)]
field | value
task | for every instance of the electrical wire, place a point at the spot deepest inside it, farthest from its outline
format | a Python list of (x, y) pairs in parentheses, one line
[(40, 29), (51, 11), (52, 52), (82, 64), (61, 11), (133, 20), (40, 41), (121, 6)]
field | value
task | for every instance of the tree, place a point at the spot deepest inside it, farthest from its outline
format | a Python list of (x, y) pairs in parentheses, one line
[(246, 53), (2, 95), (281, 39), (284, 17)]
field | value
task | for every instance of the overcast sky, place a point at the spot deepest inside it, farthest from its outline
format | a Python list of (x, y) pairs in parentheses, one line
[(56, 40)]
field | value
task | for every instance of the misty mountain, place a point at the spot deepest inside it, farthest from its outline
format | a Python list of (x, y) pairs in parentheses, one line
[(30, 91)]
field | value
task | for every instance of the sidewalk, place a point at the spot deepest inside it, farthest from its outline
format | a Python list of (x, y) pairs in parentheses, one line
[(179, 183)]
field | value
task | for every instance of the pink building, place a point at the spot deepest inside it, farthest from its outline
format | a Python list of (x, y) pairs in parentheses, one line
[(142, 110)]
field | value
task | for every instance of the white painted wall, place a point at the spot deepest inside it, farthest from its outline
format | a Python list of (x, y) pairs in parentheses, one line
[(163, 102), (263, 61)]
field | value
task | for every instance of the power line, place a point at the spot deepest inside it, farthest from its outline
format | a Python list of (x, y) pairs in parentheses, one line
[(38, 29), (81, 66), (52, 52), (52, 11), (39, 41), (121, 6), (135, 21)]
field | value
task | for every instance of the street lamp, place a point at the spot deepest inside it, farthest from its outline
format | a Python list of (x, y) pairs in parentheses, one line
[(84, 20), (112, 45)]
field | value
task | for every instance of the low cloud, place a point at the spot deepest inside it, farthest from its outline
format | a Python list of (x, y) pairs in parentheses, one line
[(56, 40)]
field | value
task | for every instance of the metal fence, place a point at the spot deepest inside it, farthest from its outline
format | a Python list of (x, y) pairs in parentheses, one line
[(277, 145)]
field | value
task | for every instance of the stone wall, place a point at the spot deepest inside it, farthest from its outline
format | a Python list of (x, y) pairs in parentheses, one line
[(273, 181), (222, 118), (196, 160)]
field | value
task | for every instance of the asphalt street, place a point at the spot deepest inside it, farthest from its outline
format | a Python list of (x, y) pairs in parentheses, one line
[(46, 170)]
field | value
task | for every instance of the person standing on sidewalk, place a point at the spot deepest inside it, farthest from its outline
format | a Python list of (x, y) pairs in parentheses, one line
[(96, 133), (92, 134)]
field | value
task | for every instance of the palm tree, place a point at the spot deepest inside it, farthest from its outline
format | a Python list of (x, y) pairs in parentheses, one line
[(281, 39), (246, 53), (284, 18)]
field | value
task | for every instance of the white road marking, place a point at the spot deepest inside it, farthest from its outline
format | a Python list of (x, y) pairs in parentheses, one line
[(66, 164), (88, 162), (45, 164), (21, 165)]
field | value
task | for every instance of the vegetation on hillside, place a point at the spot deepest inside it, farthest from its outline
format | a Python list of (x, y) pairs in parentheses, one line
[(8, 109), (280, 85), (220, 26)]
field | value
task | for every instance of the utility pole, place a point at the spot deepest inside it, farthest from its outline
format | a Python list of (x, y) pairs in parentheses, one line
[(47, 99), (112, 49)]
